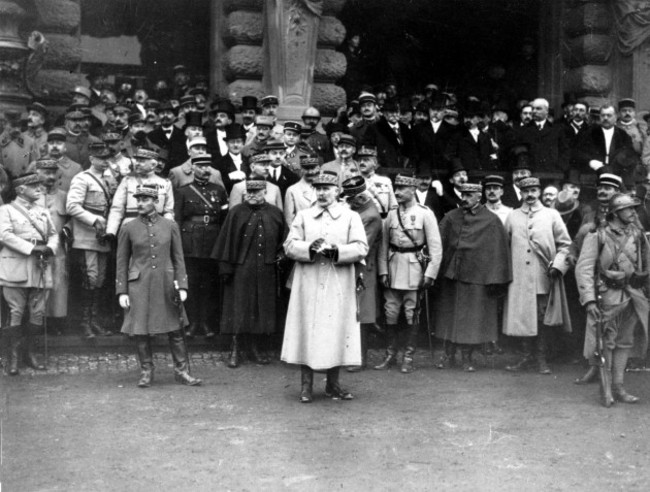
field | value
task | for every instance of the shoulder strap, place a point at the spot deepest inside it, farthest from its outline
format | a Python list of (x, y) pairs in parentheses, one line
[(31, 221), (102, 186), (401, 224), (200, 195)]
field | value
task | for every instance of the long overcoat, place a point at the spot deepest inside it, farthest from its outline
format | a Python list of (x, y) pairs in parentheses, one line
[(533, 232), (322, 328), (149, 259)]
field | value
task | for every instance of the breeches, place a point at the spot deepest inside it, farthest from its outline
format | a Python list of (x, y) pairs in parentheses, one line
[(619, 330), (18, 299), (93, 269), (395, 299)]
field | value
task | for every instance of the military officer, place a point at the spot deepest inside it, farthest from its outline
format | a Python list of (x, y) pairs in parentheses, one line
[(15, 155), (263, 126), (294, 148), (77, 142), (36, 136), (29, 240), (184, 173), (379, 187), (56, 150), (89, 201), (317, 142), (200, 208), (53, 199), (269, 105), (118, 162), (124, 207), (149, 263), (302, 195), (344, 165), (259, 166), (405, 266)]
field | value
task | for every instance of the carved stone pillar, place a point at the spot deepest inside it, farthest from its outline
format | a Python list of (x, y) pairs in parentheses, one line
[(13, 56)]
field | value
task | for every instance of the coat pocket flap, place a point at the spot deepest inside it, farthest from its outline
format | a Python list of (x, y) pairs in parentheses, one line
[(13, 269), (134, 275)]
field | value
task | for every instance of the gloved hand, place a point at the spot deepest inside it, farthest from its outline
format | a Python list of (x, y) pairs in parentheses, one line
[(180, 295), (110, 237), (332, 252), (554, 273), (437, 185), (100, 225), (638, 279), (42, 250), (428, 282), (595, 165), (315, 246), (125, 303)]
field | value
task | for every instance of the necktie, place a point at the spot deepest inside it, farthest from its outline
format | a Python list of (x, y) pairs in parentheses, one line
[(276, 175), (397, 134), (539, 126)]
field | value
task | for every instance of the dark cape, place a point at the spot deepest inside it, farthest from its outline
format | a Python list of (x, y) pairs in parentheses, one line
[(475, 255), (246, 249)]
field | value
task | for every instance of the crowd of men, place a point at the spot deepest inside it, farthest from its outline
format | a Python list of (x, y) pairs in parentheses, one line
[(440, 207)]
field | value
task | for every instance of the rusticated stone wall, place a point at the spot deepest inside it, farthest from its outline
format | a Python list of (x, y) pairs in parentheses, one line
[(59, 21), (245, 53), (588, 48)]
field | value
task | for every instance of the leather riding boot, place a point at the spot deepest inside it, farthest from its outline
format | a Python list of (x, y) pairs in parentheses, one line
[(145, 356), (180, 357), (591, 376), (466, 353), (391, 351), (448, 360), (192, 329), (541, 344), (619, 363), (30, 344), (256, 355), (94, 314), (86, 313), (207, 330), (332, 387), (306, 384), (364, 350), (411, 343), (527, 356), (233, 360), (12, 339)]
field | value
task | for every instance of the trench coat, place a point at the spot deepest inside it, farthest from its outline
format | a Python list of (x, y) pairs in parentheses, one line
[(57, 304), (539, 240), (149, 259), (322, 328)]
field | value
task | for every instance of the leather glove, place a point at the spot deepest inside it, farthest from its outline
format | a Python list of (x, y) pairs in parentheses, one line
[(41, 250), (316, 245), (332, 252), (554, 273), (638, 279), (110, 237), (428, 282)]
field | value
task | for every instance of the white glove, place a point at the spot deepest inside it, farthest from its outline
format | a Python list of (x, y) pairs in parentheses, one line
[(595, 165), (437, 185), (125, 303), (182, 293), (237, 175)]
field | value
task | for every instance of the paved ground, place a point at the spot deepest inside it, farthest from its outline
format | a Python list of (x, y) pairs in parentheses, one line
[(245, 431)]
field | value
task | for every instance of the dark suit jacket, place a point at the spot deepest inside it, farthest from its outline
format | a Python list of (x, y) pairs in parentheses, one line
[(474, 155), (226, 165), (176, 147), (390, 152), (286, 179), (210, 132), (549, 148), (440, 205), (430, 200), (509, 197), (429, 149), (621, 158)]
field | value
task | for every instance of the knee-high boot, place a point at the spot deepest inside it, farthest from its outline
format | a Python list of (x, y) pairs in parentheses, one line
[(364, 350), (145, 356), (333, 389), (11, 340), (94, 314), (527, 356), (542, 348), (30, 354), (391, 350), (411, 344), (86, 313), (306, 384), (619, 362), (180, 357), (233, 361)]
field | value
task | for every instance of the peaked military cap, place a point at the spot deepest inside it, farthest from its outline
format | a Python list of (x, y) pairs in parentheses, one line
[(57, 133), (401, 180), (28, 179), (326, 178), (353, 186), (253, 184), (147, 190), (145, 154), (531, 182), (46, 163)]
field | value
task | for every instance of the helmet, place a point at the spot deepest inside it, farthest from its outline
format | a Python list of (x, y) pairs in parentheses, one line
[(311, 112), (619, 201)]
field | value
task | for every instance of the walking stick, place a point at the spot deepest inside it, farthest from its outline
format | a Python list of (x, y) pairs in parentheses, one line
[(181, 321), (42, 266), (426, 306)]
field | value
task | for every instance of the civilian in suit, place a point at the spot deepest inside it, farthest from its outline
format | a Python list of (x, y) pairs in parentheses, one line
[(223, 114), (169, 138), (259, 166), (469, 144), (425, 194), (606, 145), (233, 166), (547, 142), (392, 138), (573, 131), (450, 198), (281, 175), (430, 143), (521, 168)]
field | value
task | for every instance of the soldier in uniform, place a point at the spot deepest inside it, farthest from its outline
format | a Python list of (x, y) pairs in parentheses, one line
[(317, 142), (613, 266), (53, 199), (118, 162), (263, 125), (368, 107), (344, 165), (200, 207), (493, 185), (259, 167), (302, 195), (29, 240), (76, 141), (403, 267), (56, 150), (149, 262), (361, 202), (379, 187), (184, 174), (294, 148), (15, 155), (269, 105), (36, 136), (124, 207), (249, 245), (89, 201)]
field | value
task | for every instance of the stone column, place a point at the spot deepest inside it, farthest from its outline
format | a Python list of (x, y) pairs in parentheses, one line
[(13, 56), (588, 50)]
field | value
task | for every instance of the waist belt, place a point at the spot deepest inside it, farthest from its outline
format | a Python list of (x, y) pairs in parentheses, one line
[(614, 283), (412, 249), (94, 211), (205, 219), (37, 242)]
